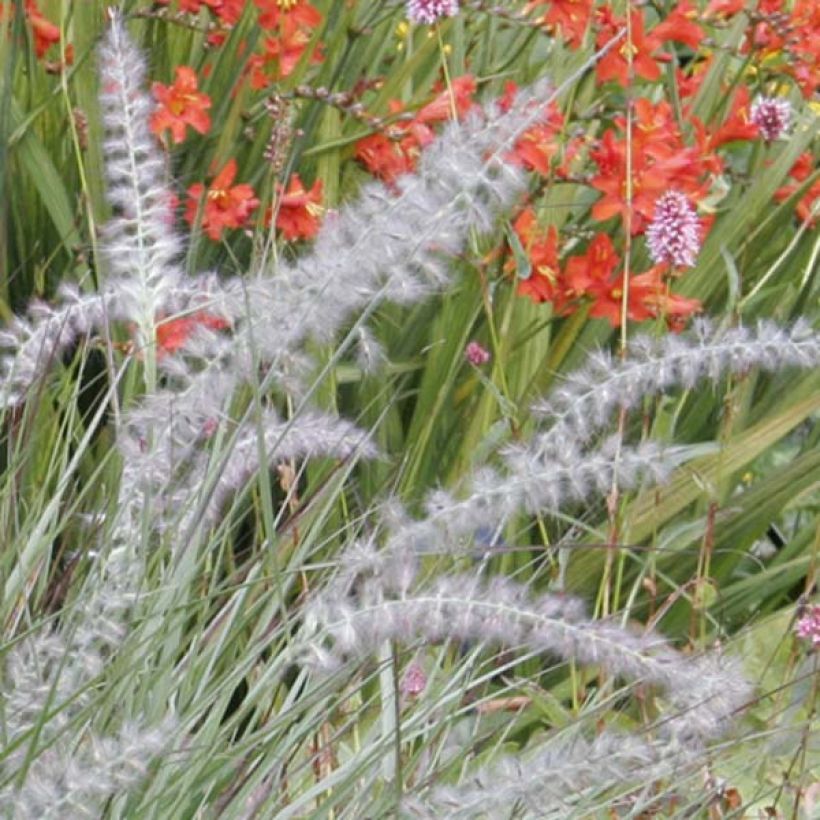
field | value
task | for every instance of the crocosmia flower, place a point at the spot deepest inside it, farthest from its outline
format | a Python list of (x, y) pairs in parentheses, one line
[(180, 105), (226, 205), (673, 236), (430, 11), (300, 210), (172, 333)]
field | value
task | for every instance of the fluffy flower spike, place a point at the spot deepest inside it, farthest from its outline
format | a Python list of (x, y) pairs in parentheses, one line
[(673, 236)]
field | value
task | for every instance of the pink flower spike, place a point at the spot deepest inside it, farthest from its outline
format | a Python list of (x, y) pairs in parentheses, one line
[(808, 627), (772, 116), (476, 354), (430, 11), (673, 236)]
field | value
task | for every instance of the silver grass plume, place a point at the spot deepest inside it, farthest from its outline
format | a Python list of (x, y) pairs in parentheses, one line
[(377, 595), (140, 243), (380, 596), (49, 673), (561, 776), (385, 246), (35, 342), (589, 397), (559, 465)]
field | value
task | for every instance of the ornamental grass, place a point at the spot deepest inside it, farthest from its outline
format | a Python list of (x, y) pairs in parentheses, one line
[(408, 409)]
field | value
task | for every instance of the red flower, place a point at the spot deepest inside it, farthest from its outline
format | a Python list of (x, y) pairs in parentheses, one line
[(172, 333), (46, 34), (291, 23), (614, 65), (394, 152), (386, 158), (542, 250), (226, 205), (680, 26), (459, 97), (569, 18), (660, 161), (538, 145), (801, 171), (596, 265), (648, 298), (180, 104), (299, 210), (281, 54), (738, 124), (804, 46), (272, 11)]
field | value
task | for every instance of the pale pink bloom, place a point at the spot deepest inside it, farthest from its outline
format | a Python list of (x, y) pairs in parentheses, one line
[(476, 354), (772, 116), (808, 626), (674, 234), (429, 11), (414, 681)]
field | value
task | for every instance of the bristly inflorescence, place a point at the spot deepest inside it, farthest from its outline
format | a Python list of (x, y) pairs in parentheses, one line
[(141, 245)]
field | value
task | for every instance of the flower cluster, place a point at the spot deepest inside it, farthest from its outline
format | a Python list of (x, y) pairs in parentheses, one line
[(430, 11), (772, 116), (596, 278), (225, 205), (44, 32), (394, 152), (673, 236), (808, 626)]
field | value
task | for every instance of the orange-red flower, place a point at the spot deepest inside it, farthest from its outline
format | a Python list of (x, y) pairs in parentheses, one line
[(801, 171), (172, 333), (457, 99), (596, 265), (648, 298), (394, 152), (538, 145), (299, 210), (659, 161), (541, 248), (46, 34), (680, 27), (568, 18), (738, 124), (387, 157), (281, 53), (226, 205), (180, 104), (271, 13), (614, 65)]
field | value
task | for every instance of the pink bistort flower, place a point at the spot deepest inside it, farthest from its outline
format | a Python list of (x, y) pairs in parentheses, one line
[(808, 627), (772, 116), (673, 236), (429, 11), (476, 354)]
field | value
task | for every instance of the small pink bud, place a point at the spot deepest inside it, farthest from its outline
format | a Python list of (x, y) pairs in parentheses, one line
[(476, 354), (808, 627), (414, 681)]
